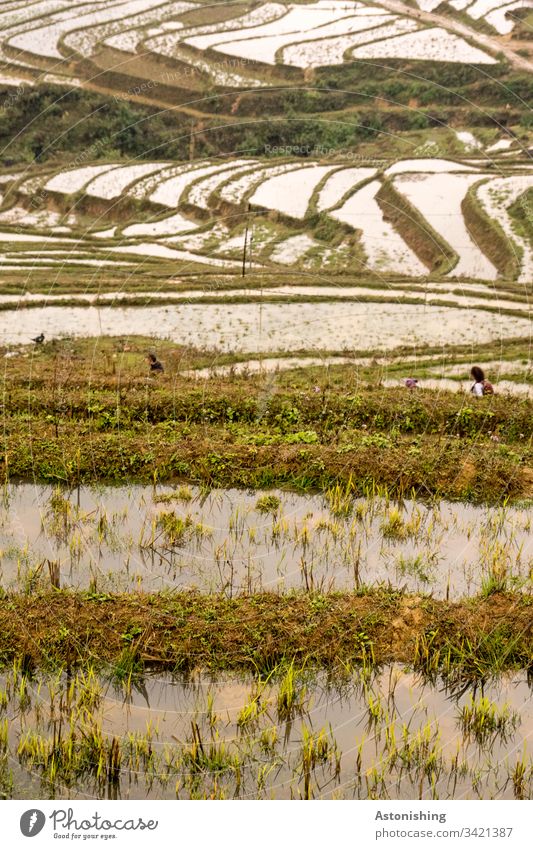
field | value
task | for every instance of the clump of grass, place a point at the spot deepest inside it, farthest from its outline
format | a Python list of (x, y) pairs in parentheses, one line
[(519, 778), (268, 504), (213, 756), (395, 527), (496, 557), (183, 493), (127, 668), (422, 750), (474, 657), (60, 514), (174, 527), (483, 719), (376, 710), (340, 499), (417, 567), (4, 727), (317, 748), (251, 712), (72, 754), (291, 694), (494, 582), (6, 778), (268, 739), (177, 530)]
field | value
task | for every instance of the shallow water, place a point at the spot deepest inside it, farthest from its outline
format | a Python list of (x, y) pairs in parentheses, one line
[(387, 735), (269, 364), (290, 193), (438, 198), (109, 538), (295, 244), (384, 247), (272, 327), (443, 384), (275, 364)]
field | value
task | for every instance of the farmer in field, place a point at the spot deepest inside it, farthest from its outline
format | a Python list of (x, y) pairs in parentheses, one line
[(481, 385), (155, 364)]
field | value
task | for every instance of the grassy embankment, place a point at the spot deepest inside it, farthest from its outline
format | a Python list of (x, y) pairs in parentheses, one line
[(184, 631), (488, 234), (80, 412)]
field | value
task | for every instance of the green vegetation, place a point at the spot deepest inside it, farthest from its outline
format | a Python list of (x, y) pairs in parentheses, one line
[(484, 719), (268, 504), (83, 412), (342, 109), (522, 213), (488, 234), (297, 732), (430, 248), (183, 631), (74, 646), (51, 124)]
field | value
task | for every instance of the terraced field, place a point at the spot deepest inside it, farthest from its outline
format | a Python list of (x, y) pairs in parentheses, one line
[(236, 47), (502, 16), (441, 222), (249, 254), (409, 218)]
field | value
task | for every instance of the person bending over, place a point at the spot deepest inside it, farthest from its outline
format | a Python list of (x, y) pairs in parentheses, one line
[(155, 365), (481, 385)]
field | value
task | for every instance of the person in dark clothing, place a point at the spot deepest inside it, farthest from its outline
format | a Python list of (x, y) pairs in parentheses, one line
[(155, 364)]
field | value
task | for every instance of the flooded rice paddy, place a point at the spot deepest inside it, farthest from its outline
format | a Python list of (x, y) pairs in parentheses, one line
[(272, 365), (464, 296), (270, 327), (234, 542), (290, 733)]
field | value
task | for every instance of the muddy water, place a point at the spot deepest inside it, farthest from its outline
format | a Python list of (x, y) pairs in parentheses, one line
[(113, 539), (275, 364), (443, 384), (388, 735), (270, 327), (353, 293)]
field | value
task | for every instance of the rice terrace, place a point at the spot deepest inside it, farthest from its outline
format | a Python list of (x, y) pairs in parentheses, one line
[(258, 537)]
